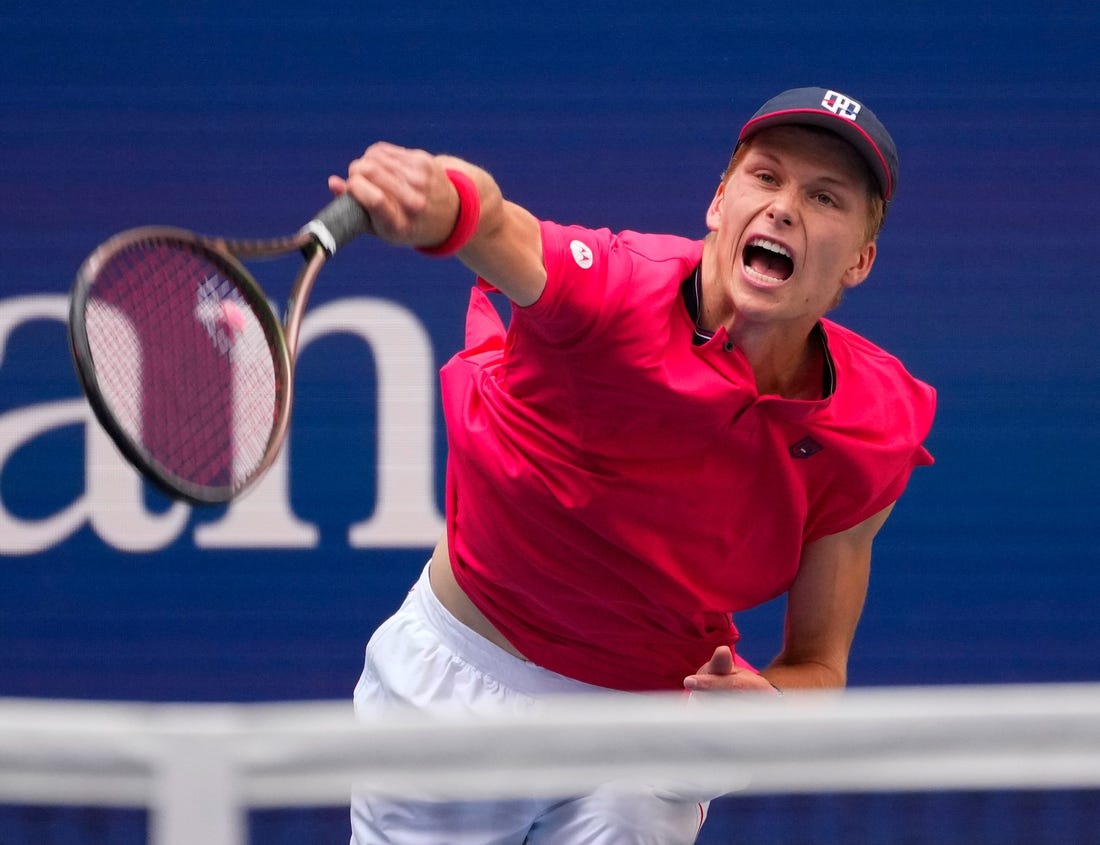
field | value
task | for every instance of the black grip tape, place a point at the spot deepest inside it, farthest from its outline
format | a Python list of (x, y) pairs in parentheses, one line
[(344, 219)]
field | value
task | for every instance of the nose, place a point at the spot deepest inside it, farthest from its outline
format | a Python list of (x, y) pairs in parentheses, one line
[(781, 209)]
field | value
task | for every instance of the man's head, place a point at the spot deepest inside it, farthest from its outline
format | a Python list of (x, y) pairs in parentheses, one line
[(795, 218), (824, 110)]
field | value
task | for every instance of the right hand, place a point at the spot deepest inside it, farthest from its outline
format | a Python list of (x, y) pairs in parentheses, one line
[(405, 192)]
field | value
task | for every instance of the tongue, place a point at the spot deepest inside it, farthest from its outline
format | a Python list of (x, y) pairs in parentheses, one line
[(770, 264)]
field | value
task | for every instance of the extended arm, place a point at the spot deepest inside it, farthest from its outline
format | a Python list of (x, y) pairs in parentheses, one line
[(411, 201)]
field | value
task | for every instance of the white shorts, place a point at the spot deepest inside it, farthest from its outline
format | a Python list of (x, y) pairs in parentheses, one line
[(423, 657)]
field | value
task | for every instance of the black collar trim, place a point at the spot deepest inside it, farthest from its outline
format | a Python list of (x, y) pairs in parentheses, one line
[(692, 290)]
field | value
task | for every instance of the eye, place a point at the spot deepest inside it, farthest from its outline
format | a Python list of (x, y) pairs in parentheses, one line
[(825, 199), (766, 177)]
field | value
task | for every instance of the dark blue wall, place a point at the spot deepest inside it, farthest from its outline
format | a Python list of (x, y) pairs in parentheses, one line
[(227, 120)]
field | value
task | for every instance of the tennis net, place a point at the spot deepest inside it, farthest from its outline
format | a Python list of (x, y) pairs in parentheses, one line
[(1001, 764)]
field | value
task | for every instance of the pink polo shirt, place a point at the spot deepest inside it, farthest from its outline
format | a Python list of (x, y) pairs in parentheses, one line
[(615, 492)]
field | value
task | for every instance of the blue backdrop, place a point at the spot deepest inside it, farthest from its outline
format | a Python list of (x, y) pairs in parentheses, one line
[(228, 118)]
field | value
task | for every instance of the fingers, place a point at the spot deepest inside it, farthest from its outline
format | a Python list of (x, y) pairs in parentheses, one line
[(720, 663), (739, 680), (397, 175), (722, 673), (398, 188)]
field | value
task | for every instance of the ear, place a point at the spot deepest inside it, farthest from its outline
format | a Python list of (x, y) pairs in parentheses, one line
[(714, 210), (859, 271)]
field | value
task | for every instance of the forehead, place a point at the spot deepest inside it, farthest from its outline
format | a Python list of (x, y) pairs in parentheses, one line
[(814, 147)]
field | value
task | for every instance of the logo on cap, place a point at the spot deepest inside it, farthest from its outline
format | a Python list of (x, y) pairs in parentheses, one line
[(840, 105)]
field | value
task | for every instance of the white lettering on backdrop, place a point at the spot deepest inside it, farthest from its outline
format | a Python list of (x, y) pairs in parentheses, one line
[(112, 503)]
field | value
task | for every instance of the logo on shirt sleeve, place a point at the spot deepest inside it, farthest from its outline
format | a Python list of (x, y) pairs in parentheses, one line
[(582, 254)]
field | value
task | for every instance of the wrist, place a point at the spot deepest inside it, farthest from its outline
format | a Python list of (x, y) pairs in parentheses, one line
[(469, 215)]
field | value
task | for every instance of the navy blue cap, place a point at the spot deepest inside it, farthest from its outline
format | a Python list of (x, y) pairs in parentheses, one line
[(848, 118)]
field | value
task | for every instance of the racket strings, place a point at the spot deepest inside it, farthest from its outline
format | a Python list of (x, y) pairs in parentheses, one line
[(183, 361)]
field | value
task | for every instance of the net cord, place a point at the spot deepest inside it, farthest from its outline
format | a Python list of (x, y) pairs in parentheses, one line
[(236, 757)]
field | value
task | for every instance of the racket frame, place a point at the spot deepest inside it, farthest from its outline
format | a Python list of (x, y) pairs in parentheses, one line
[(335, 225), (282, 340)]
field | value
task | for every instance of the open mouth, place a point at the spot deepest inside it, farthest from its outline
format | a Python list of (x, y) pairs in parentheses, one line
[(767, 261)]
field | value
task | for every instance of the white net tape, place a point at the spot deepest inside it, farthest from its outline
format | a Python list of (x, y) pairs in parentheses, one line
[(226, 759)]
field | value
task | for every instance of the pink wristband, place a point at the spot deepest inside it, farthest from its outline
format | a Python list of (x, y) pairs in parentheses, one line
[(469, 214)]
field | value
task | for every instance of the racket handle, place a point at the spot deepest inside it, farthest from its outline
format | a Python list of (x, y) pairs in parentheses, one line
[(339, 222)]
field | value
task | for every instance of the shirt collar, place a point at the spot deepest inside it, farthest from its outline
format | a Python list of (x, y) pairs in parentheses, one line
[(692, 290)]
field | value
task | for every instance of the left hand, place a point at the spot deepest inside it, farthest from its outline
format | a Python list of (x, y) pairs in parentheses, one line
[(721, 673)]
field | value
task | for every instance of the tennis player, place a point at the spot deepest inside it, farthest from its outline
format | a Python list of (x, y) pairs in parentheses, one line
[(667, 431)]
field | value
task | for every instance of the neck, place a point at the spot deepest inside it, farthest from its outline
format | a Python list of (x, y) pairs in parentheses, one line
[(785, 358), (792, 370)]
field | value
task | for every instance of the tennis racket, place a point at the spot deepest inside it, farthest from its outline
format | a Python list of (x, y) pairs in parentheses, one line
[(182, 357)]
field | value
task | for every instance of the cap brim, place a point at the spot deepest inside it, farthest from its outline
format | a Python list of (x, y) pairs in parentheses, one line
[(845, 128)]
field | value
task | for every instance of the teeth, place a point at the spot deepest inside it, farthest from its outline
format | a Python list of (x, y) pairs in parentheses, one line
[(771, 246), (766, 280)]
